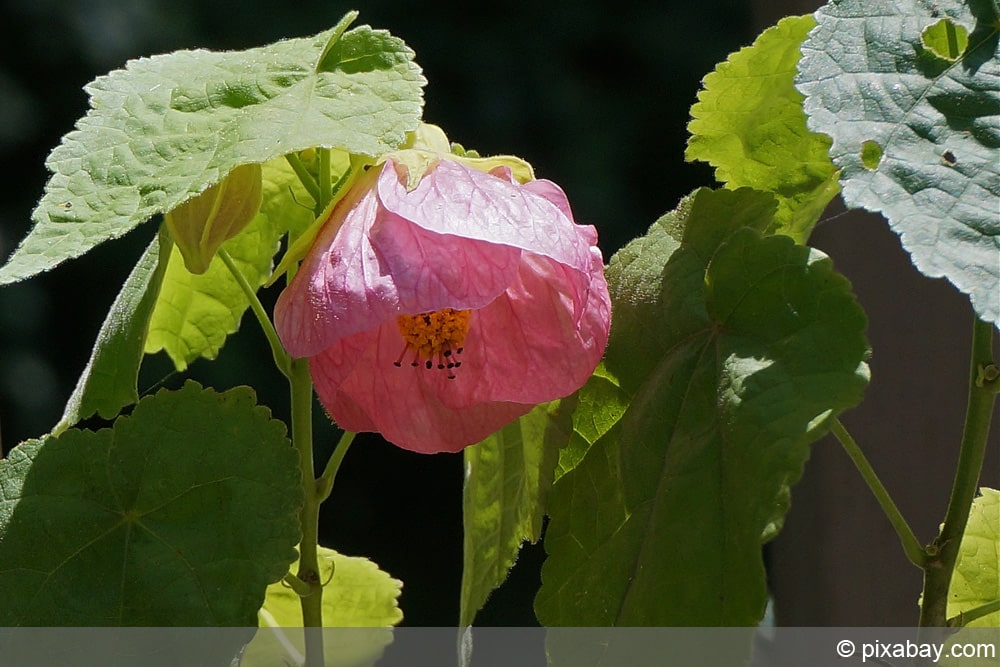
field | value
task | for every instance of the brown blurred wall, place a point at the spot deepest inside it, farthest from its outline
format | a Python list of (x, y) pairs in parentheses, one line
[(838, 561)]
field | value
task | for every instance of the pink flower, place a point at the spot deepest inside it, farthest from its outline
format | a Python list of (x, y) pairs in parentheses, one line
[(437, 315)]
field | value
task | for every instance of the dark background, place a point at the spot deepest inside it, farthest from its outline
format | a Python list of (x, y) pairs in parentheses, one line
[(595, 99)]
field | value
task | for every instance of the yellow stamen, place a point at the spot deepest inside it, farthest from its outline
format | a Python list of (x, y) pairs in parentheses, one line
[(435, 338)]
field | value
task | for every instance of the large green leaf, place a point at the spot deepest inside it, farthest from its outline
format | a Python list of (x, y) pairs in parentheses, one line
[(748, 123), (108, 383), (736, 349), (358, 595), (196, 312), (507, 477), (165, 128), (914, 133), (179, 515)]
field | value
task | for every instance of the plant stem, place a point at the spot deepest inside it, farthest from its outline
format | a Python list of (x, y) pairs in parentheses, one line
[(281, 358), (324, 485), (911, 545), (308, 182), (943, 552), (312, 603), (325, 182)]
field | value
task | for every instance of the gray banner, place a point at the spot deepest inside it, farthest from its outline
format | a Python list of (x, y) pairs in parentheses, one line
[(495, 647)]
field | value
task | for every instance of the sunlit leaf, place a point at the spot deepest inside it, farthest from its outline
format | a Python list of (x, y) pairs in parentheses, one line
[(875, 84), (165, 128), (507, 478), (748, 123), (357, 595), (976, 580), (196, 312)]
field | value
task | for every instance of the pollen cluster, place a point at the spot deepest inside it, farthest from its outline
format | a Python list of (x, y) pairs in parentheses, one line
[(435, 338)]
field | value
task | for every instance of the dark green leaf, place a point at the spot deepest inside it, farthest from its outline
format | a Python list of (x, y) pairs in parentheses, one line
[(179, 515), (746, 346)]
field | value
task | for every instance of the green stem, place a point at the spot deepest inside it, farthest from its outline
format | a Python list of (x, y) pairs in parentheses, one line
[(325, 184), (324, 485), (308, 182), (943, 552), (312, 603), (973, 614), (911, 545), (281, 358)]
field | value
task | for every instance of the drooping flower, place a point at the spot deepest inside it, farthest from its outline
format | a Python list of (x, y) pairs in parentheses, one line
[(436, 311)]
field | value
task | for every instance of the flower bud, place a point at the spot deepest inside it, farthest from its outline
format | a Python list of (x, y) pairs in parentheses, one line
[(202, 224)]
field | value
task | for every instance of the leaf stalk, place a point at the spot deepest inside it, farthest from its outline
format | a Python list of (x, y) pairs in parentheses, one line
[(281, 358), (324, 485), (911, 545)]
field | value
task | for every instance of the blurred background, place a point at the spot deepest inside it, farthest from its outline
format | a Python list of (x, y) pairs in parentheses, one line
[(596, 99)]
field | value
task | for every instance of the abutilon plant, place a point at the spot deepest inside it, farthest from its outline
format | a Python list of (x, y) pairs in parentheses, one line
[(451, 302)]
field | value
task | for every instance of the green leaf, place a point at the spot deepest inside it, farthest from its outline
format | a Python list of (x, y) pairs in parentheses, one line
[(179, 515), (109, 382), (748, 123), (749, 345), (166, 128), (976, 580), (507, 477), (196, 312), (869, 79), (358, 595)]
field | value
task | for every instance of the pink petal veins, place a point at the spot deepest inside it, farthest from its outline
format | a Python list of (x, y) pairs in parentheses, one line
[(462, 201)]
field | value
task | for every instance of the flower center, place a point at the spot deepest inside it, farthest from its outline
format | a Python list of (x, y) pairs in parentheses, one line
[(434, 338)]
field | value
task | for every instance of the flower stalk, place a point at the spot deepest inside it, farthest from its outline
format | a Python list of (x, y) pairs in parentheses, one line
[(308, 573), (307, 581)]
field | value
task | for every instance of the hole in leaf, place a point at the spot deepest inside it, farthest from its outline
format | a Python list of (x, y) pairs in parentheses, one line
[(949, 158), (945, 39), (871, 154)]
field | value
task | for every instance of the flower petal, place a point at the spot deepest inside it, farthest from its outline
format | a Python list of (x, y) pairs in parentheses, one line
[(532, 344), (431, 271), (368, 265), (458, 200), (338, 278), (363, 391)]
